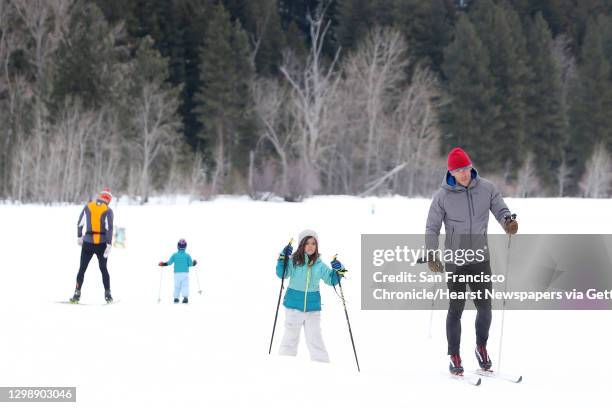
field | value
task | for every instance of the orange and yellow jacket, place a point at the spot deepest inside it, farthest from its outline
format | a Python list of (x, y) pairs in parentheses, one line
[(97, 218)]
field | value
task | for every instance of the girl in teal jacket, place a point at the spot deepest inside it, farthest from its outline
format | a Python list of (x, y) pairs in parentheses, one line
[(302, 299), (182, 262)]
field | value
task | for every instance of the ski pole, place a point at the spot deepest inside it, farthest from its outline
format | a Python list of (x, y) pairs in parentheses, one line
[(161, 271), (280, 293), (431, 312), (348, 322), (198, 282), (501, 335)]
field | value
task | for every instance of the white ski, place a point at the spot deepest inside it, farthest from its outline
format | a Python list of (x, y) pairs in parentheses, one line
[(467, 378), (499, 376)]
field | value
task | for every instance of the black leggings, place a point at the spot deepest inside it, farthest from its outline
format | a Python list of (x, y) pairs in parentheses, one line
[(455, 308), (87, 252)]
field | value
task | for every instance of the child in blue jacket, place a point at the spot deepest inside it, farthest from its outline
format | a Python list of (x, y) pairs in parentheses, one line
[(182, 261), (302, 299)]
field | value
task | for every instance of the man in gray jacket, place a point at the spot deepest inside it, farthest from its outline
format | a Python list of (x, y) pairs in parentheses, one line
[(463, 203)]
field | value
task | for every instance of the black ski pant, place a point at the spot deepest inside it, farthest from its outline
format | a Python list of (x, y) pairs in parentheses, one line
[(456, 306), (87, 252)]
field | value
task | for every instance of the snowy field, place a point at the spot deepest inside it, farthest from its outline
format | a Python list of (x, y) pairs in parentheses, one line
[(213, 352)]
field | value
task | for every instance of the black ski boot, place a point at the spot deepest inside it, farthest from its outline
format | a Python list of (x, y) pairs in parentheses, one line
[(483, 358), (455, 366), (76, 297), (185, 300), (108, 297), (176, 300)]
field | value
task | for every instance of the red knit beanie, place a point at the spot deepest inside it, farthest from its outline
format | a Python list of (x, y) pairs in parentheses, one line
[(105, 195), (457, 158)]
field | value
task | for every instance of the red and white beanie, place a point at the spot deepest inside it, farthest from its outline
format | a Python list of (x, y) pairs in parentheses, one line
[(458, 158), (105, 195)]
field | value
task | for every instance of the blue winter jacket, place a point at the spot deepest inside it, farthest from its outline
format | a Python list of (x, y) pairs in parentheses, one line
[(303, 291), (181, 260)]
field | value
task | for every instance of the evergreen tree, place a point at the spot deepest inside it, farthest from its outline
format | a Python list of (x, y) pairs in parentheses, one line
[(605, 23), (193, 18), (576, 16), (295, 40), (568, 17), (238, 10), (174, 25), (427, 26), (296, 11), (500, 31), (591, 118), (355, 17), (161, 20), (264, 27), (471, 117), (116, 10), (170, 41), (85, 60), (482, 14), (223, 98), (245, 137), (546, 132), (216, 63), (385, 12), (144, 18)]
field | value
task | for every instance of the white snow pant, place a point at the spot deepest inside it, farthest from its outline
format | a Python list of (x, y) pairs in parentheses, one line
[(181, 284), (311, 321)]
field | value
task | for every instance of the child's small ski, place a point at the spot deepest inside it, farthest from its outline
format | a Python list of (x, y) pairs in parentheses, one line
[(499, 376), (467, 378)]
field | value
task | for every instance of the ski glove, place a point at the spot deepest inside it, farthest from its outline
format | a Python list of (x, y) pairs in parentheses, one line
[(435, 265), (107, 250), (511, 226), (195, 262), (163, 264), (286, 253), (338, 267), (80, 241)]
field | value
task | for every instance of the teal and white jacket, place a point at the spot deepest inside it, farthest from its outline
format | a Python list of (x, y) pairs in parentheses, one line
[(303, 291)]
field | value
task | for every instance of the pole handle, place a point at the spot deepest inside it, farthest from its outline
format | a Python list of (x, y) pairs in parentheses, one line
[(290, 243)]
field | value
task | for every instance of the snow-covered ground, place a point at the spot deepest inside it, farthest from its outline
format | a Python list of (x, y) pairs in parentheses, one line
[(214, 351)]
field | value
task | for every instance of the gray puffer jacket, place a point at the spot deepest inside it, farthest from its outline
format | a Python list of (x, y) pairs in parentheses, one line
[(465, 213)]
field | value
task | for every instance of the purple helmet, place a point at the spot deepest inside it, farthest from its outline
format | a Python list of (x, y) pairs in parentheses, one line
[(182, 244)]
